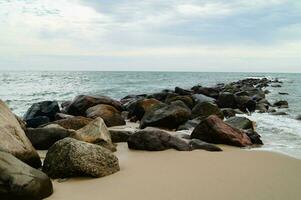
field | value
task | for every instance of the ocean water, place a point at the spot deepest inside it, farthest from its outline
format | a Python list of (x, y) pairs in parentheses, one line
[(279, 133)]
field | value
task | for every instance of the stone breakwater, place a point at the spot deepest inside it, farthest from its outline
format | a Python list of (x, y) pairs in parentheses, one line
[(81, 135)]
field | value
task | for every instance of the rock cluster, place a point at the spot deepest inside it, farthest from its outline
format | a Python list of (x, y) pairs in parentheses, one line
[(80, 134)]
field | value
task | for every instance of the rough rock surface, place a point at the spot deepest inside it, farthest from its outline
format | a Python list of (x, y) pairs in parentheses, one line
[(20, 181), (166, 116), (44, 108), (214, 130), (110, 115), (205, 109), (70, 158), (96, 132), (82, 102), (14, 140), (241, 123), (44, 138), (74, 123)]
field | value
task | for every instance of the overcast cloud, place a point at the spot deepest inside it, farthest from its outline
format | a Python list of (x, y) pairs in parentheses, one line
[(181, 35)]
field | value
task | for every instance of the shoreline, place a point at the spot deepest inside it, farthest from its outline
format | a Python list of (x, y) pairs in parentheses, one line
[(231, 174)]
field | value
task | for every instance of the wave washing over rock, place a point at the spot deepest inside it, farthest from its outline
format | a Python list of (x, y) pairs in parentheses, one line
[(279, 132)]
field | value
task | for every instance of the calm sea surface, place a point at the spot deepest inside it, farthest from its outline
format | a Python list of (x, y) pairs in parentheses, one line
[(280, 133)]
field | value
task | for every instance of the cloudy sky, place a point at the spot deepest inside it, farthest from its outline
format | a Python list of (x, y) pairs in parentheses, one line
[(173, 35)]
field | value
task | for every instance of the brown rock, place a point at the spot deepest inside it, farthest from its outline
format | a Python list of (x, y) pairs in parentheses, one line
[(215, 130), (110, 115), (13, 139)]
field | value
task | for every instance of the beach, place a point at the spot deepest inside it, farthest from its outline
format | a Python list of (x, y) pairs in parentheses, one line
[(232, 174)]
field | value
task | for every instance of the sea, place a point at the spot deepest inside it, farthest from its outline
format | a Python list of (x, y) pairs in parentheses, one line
[(20, 89)]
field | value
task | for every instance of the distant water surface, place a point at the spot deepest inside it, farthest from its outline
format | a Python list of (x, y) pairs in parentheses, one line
[(280, 133)]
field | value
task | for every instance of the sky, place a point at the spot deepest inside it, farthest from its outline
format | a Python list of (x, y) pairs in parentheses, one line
[(151, 35)]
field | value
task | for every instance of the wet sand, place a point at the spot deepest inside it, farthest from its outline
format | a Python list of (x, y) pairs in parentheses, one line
[(233, 174)]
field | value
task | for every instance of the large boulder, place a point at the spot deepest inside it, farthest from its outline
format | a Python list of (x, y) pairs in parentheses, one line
[(96, 132), (228, 112), (43, 138), (165, 116), (138, 108), (82, 102), (110, 115), (13, 138), (70, 158), (20, 181), (44, 108), (245, 103), (205, 109), (74, 123), (214, 130), (226, 100), (182, 91), (241, 123), (153, 139)]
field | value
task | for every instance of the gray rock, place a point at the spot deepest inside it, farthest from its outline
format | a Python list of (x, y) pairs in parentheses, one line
[(165, 116), (44, 138), (13, 139), (279, 113), (153, 139), (200, 98), (190, 124), (228, 112), (199, 144), (120, 135), (44, 108), (281, 104), (240, 122), (20, 181), (71, 158), (205, 109)]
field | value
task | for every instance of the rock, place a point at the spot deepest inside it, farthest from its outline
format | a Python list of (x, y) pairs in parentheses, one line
[(44, 138), (241, 123), (214, 130), (198, 144), (182, 91), (245, 103), (74, 123), (200, 98), (119, 135), (262, 108), (70, 158), (276, 85), (190, 124), (226, 100), (160, 96), (281, 104), (254, 136), (110, 115), (96, 132), (298, 117), (185, 99), (44, 108), (81, 103), (207, 91), (165, 116), (228, 112), (59, 116), (283, 93), (279, 113), (21, 122), (13, 139), (153, 139), (37, 121), (205, 109), (20, 181), (138, 108)]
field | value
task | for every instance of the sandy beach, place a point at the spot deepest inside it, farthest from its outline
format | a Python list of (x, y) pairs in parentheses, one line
[(173, 175)]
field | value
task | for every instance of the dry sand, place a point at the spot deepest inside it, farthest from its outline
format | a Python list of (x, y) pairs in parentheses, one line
[(173, 175)]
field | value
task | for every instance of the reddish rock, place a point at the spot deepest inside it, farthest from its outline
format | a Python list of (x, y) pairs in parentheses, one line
[(140, 107), (215, 130), (74, 123)]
